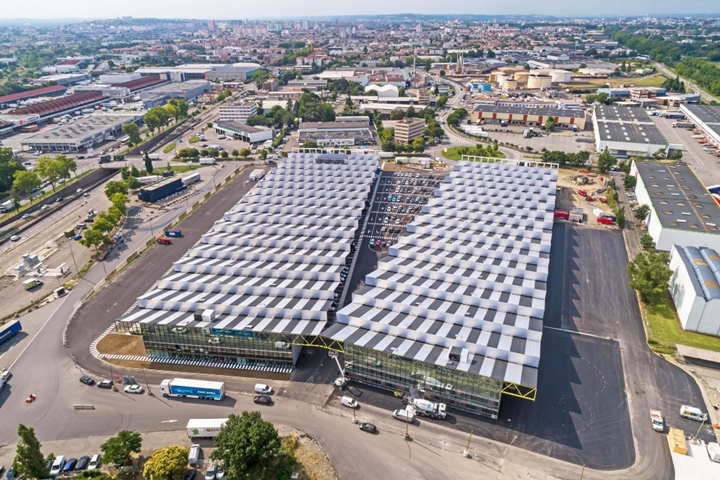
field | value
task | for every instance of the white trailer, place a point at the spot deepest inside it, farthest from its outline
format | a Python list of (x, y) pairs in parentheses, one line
[(149, 179), (257, 174), (154, 156), (207, 161), (8, 206), (205, 427), (190, 179)]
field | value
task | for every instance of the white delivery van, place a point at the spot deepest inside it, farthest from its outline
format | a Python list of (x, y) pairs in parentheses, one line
[(349, 401), (194, 454), (263, 389), (693, 413), (406, 414), (57, 466)]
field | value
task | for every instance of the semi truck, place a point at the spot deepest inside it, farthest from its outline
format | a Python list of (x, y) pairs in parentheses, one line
[(426, 408), (205, 427), (9, 330), (105, 158), (154, 156), (683, 125), (180, 387), (8, 206), (675, 115), (207, 161), (190, 179)]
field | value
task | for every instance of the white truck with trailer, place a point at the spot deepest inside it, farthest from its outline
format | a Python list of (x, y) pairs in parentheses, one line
[(207, 161), (181, 387), (205, 427)]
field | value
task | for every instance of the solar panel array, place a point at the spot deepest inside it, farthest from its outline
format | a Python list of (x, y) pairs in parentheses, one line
[(466, 286)]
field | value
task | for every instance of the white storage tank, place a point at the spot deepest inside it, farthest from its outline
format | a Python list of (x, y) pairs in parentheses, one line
[(539, 81), (560, 76)]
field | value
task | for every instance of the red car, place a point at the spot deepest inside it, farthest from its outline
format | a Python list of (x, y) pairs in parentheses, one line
[(378, 243), (164, 241)]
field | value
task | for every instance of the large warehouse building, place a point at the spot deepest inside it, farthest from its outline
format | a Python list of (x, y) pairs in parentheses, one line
[(203, 71), (626, 131), (695, 288), (682, 211), (707, 119), (528, 116), (265, 276), (455, 310), (80, 134)]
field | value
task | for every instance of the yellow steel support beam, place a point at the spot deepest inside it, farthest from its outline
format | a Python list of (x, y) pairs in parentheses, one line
[(318, 341), (520, 391)]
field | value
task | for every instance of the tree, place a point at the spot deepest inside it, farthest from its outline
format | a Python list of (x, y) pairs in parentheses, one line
[(112, 187), (133, 132), (443, 73), (490, 54), (401, 92), (605, 161), (166, 464), (247, 445), (29, 461), (25, 181), (418, 145), (119, 199), (235, 153), (629, 181), (148, 163), (310, 144), (642, 212), (549, 125), (263, 154), (50, 169), (103, 225), (647, 242), (134, 171), (224, 154), (181, 107), (8, 167), (93, 238), (244, 153), (441, 101), (67, 164), (260, 76), (650, 274), (119, 449), (620, 217)]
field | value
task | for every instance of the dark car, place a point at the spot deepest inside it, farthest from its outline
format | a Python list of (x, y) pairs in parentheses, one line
[(69, 465), (11, 471), (190, 475), (87, 380), (105, 384), (368, 427), (82, 463), (262, 399)]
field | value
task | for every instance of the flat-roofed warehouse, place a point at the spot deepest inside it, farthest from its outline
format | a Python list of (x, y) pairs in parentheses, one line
[(80, 133), (528, 116), (455, 310), (707, 119), (626, 131), (682, 211), (338, 133), (266, 275)]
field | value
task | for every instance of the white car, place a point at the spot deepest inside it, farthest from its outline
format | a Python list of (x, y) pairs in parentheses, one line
[(262, 388), (134, 389), (349, 402), (15, 238)]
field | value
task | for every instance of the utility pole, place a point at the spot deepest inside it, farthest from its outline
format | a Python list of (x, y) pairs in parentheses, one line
[(147, 386), (466, 454), (407, 426)]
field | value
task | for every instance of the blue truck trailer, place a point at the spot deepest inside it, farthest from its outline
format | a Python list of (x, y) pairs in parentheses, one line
[(9, 330), (181, 387), (158, 191)]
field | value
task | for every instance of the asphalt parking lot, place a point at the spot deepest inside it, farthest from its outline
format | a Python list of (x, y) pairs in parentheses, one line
[(399, 197), (593, 333)]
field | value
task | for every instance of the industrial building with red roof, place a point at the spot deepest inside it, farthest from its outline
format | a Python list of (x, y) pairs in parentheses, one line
[(52, 91), (61, 105)]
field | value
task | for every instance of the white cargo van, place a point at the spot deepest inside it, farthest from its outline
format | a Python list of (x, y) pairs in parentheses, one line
[(57, 466), (693, 413), (194, 454), (406, 414)]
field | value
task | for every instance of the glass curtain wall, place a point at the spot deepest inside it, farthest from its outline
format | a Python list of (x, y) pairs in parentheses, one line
[(461, 390)]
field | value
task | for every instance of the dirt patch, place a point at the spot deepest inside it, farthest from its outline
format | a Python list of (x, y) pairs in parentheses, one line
[(120, 344), (568, 196), (313, 464)]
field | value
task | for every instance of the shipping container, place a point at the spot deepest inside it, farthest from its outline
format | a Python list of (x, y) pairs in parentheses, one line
[(604, 220), (160, 190), (564, 214)]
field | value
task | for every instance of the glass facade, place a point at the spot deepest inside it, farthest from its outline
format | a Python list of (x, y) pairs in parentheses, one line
[(217, 345), (461, 390)]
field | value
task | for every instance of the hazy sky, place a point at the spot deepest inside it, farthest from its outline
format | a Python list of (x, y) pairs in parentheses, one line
[(234, 9)]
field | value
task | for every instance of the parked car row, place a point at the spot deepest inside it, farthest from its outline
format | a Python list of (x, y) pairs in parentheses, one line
[(62, 466)]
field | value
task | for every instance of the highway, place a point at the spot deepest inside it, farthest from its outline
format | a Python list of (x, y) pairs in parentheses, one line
[(688, 84)]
